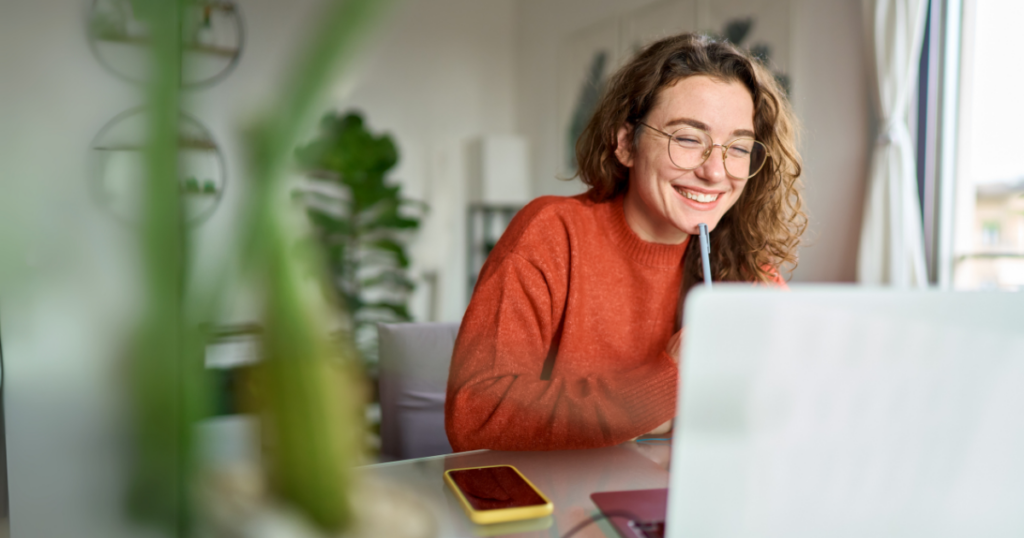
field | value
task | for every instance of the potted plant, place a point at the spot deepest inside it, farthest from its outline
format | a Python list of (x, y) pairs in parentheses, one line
[(363, 222)]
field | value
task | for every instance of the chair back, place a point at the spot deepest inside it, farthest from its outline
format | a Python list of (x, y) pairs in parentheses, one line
[(413, 379)]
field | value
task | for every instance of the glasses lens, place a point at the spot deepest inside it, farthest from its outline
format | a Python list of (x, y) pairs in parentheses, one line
[(688, 148), (745, 158)]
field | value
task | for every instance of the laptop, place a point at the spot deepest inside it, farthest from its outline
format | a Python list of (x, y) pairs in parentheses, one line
[(842, 411)]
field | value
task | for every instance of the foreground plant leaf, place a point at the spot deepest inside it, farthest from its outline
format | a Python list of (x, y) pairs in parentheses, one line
[(307, 395), (309, 402)]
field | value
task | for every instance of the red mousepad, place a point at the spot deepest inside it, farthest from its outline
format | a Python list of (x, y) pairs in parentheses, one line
[(644, 505)]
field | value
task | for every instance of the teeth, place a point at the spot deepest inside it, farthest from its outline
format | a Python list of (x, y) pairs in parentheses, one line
[(697, 196)]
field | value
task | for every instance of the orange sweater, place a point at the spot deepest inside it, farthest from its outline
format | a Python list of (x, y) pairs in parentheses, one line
[(562, 345)]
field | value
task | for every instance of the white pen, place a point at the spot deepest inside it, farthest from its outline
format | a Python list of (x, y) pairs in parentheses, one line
[(705, 252)]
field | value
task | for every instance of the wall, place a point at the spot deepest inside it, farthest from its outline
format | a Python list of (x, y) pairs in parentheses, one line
[(830, 96)]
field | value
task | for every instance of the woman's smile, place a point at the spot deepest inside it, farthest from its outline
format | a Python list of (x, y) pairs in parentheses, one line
[(703, 200)]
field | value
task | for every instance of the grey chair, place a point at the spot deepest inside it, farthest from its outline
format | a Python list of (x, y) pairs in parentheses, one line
[(413, 377)]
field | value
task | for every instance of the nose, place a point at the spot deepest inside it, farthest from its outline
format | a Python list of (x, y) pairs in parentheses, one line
[(713, 169)]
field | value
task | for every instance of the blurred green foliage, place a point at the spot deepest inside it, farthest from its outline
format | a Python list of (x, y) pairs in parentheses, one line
[(166, 360), (363, 223), (307, 394)]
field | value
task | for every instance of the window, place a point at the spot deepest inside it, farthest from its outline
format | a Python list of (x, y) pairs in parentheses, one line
[(987, 228), (990, 231)]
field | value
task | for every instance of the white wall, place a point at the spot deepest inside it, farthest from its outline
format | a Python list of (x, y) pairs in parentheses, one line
[(829, 95)]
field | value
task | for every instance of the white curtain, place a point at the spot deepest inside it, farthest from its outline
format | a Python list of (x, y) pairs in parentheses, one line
[(892, 241)]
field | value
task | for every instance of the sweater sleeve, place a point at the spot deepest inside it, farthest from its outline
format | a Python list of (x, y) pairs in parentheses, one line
[(496, 396)]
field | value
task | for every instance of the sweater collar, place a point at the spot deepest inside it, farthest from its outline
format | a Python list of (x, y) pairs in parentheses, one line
[(644, 252)]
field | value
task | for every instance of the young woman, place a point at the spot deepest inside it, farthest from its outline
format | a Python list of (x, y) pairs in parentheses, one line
[(571, 338)]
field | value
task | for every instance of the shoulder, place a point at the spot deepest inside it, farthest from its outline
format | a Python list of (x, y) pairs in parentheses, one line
[(547, 219), (556, 208), (546, 232)]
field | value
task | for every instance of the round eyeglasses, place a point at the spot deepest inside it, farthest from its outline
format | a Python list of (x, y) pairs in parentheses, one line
[(689, 147)]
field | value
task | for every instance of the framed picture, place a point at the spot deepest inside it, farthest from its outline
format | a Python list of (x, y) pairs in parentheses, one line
[(656, 21), (586, 60), (763, 27)]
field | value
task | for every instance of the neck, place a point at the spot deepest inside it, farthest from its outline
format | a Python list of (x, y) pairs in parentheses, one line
[(647, 227)]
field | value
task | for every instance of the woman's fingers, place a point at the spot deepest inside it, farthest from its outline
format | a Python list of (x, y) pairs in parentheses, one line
[(675, 343), (663, 429)]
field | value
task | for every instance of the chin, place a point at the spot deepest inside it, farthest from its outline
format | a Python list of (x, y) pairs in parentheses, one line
[(692, 227)]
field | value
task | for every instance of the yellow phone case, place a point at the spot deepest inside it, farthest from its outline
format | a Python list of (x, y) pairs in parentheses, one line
[(501, 515)]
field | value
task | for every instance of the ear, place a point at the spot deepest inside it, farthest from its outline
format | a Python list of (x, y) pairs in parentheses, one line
[(624, 146)]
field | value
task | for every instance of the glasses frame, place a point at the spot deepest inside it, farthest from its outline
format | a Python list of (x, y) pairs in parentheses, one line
[(707, 152)]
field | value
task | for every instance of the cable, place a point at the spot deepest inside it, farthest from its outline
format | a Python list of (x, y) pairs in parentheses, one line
[(599, 517), (653, 439)]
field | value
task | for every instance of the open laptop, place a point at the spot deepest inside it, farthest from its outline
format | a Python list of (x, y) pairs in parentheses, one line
[(829, 411)]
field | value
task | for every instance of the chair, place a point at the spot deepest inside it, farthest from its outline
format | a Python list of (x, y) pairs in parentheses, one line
[(413, 378)]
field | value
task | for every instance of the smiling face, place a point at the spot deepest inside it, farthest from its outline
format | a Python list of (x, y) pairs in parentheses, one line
[(663, 203)]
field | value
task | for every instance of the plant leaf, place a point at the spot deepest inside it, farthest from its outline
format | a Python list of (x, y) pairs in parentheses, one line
[(400, 311), (389, 279)]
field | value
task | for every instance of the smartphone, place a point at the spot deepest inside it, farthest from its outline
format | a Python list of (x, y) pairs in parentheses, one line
[(497, 494)]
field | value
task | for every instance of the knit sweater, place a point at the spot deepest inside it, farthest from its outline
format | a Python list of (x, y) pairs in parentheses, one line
[(563, 343)]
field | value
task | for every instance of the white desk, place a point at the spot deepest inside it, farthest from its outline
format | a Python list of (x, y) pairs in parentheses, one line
[(567, 477)]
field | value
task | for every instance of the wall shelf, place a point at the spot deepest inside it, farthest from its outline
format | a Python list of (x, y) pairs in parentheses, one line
[(213, 36), (117, 179)]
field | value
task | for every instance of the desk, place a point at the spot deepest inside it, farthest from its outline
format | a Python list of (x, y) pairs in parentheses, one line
[(568, 477)]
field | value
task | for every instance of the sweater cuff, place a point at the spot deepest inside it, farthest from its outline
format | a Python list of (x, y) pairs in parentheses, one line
[(652, 401)]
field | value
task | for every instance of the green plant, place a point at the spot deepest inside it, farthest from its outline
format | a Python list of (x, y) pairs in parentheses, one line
[(363, 222), (307, 394)]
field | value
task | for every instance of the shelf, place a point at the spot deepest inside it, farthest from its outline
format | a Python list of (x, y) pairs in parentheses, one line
[(198, 145), (188, 47)]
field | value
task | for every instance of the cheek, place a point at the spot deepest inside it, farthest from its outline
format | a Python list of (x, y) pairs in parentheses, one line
[(737, 192), (654, 159), (649, 174)]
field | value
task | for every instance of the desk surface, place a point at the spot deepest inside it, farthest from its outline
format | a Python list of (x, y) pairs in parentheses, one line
[(567, 477)]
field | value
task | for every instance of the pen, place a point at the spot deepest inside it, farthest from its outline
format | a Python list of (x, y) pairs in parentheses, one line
[(705, 251)]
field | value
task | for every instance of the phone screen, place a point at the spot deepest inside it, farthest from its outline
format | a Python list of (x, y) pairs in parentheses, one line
[(492, 488)]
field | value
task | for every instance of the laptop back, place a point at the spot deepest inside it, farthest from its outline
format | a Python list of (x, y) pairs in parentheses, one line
[(847, 412)]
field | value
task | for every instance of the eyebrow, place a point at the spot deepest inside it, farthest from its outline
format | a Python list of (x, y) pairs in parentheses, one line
[(704, 127)]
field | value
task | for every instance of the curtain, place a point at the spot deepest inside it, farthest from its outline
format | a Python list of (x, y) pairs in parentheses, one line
[(892, 241)]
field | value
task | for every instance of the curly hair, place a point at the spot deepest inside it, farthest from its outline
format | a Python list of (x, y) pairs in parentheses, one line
[(759, 235)]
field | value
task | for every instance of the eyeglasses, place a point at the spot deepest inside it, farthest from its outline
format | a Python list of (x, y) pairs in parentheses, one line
[(689, 147)]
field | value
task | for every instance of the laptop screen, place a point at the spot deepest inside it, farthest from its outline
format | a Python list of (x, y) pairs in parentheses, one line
[(825, 412)]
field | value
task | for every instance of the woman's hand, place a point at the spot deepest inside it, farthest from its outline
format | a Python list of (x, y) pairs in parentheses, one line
[(675, 343), (661, 430)]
